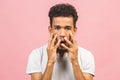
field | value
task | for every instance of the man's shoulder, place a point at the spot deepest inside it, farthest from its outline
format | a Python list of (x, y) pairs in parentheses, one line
[(39, 50), (43, 47), (84, 51)]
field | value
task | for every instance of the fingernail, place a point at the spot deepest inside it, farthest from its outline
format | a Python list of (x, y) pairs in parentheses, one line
[(65, 38), (59, 39), (62, 44), (55, 34)]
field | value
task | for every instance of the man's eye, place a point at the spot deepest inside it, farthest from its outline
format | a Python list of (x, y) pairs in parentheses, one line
[(68, 28), (57, 28)]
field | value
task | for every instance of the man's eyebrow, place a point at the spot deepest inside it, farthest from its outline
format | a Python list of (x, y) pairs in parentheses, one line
[(68, 26), (56, 25)]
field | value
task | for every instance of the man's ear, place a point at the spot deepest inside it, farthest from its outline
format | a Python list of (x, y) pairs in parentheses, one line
[(50, 29)]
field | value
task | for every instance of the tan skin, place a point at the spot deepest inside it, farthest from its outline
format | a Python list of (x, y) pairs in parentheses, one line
[(62, 29)]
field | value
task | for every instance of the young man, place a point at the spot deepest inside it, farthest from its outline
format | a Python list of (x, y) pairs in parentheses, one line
[(61, 58)]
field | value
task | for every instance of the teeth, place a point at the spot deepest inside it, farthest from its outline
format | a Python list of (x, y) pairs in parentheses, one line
[(62, 42)]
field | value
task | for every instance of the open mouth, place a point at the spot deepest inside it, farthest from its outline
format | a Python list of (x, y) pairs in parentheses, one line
[(62, 42)]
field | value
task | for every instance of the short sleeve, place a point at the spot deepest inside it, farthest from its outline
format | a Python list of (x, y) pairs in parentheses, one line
[(89, 63), (34, 62)]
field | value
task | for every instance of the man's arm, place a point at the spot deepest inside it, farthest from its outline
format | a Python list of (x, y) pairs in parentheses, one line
[(52, 56), (36, 76), (88, 76), (73, 54), (79, 75), (47, 74)]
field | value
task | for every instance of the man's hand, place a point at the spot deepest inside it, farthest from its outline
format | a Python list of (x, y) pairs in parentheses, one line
[(72, 49), (52, 47)]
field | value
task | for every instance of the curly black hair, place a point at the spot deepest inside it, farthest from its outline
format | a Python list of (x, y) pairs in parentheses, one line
[(65, 10)]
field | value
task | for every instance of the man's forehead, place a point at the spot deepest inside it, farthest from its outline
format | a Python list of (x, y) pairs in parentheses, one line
[(65, 21)]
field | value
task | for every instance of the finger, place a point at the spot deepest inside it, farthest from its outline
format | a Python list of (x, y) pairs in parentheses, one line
[(50, 39), (72, 38), (58, 43), (63, 45), (69, 42), (53, 40)]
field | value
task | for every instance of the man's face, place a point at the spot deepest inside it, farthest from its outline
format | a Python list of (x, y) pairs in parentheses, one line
[(63, 27)]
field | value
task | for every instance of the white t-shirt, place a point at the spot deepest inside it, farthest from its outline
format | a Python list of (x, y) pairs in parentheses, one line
[(62, 69)]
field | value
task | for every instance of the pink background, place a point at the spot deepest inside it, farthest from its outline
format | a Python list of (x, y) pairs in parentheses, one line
[(23, 27)]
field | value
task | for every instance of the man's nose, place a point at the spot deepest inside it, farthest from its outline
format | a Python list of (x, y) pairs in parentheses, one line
[(62, 33)]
